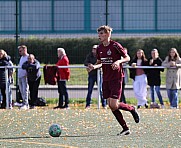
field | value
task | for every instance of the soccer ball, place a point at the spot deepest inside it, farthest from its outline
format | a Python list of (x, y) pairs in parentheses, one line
[(55, 130)]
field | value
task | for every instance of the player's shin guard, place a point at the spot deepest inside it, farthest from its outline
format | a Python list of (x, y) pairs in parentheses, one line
[(120, 119)]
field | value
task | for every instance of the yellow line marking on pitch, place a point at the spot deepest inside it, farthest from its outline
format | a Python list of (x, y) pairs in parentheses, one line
[(28, 142)]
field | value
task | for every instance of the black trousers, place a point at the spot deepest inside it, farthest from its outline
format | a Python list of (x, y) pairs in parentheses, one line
[(33, 87), (3, 93), (123, 98)]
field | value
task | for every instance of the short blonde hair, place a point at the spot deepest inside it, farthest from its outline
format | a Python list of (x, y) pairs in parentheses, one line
[(105, 28)]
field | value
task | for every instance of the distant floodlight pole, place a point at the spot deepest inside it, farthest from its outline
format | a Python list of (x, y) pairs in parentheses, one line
[(107, 13), (16, 48)]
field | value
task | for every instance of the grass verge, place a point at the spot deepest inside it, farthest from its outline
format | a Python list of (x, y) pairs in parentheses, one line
[(80, 102)]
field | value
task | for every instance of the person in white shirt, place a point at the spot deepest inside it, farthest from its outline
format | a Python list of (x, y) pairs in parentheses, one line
[(22, 78)]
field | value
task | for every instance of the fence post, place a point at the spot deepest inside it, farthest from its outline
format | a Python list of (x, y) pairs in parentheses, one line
[(7, 88), (98, 88)]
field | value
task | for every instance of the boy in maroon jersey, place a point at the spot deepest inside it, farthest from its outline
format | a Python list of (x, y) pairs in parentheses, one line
[(109, 55)]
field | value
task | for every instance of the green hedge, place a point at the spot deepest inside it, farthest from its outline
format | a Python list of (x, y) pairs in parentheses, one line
[(77, 48)]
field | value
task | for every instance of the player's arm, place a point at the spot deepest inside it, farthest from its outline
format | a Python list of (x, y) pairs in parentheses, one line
[(95, 66), (116, 64), (125, 59)]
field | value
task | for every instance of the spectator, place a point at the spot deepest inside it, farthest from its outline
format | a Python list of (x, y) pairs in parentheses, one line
[(92, 77), (139, 77), (4, 61), (22, 78), (173, 76), (63, 76), (154, 79), (32, 67), (125, 79), (1, 99), (109, 55), (10, 82)]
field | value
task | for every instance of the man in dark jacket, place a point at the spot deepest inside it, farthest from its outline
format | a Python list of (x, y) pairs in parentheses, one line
[(91, 59), (32, 67)]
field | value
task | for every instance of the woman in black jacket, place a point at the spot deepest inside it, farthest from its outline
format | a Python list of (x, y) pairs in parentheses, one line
[(4, 61), (154, 78)]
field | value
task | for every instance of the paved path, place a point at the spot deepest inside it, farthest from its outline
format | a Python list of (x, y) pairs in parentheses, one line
[(80, 91)]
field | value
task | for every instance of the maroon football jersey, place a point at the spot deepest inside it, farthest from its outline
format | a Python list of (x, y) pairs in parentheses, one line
[(108, 55)]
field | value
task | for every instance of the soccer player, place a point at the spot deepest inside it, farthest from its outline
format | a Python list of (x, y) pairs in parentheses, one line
[(109, 55)]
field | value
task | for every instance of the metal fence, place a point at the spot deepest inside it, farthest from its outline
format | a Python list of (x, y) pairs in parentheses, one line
[(76, 91), (84, 16)]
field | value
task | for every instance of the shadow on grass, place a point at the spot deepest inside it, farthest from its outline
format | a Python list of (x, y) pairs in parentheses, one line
[(42, 137), (37, 137)]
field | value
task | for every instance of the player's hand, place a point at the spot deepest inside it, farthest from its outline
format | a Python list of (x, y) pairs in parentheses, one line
[(115, 65)]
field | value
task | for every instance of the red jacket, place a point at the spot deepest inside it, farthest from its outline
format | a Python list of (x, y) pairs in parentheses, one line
[(50, 74), (63, 73)]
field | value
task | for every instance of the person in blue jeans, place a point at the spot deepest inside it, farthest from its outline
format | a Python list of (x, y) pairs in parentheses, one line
[(154, 78), (92, 77), (173, 76)]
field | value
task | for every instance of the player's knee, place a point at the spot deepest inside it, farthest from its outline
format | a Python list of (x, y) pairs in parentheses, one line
[(113, 107)]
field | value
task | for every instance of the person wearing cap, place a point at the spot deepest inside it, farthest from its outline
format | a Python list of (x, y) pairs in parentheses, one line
[(63, 76), (91, 59)]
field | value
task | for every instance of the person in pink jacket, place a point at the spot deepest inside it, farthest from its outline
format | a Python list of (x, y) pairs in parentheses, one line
[(63, 76)]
